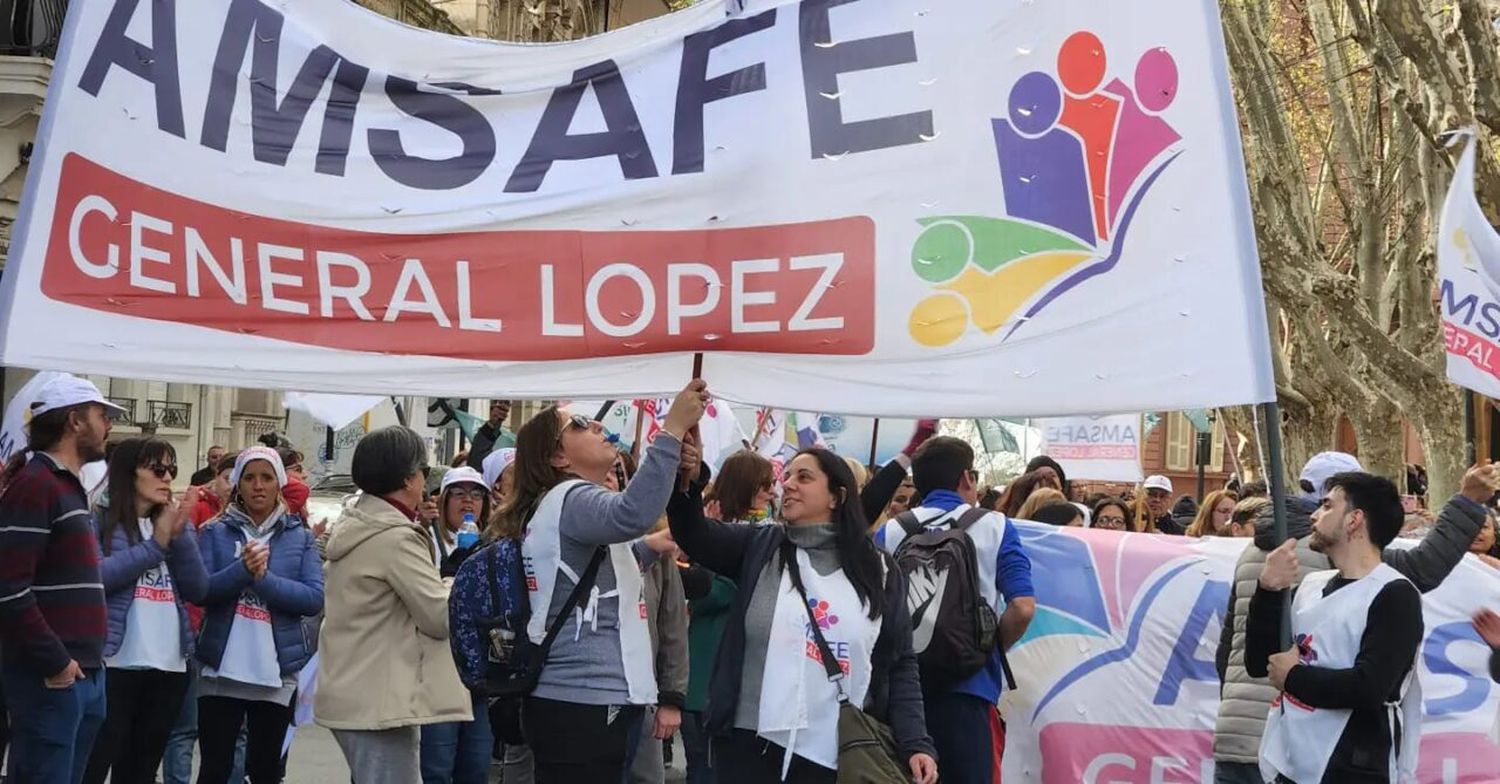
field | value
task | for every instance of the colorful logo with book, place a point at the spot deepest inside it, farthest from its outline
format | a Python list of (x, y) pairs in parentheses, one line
[(1078, 151), (823, 615)]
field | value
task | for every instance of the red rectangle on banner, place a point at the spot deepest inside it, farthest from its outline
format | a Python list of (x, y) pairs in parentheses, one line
[(124, 247)]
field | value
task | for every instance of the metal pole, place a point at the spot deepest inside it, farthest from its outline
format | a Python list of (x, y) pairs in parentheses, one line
[(874, 439), (1200, 441), (1276, 476), (1469, 439)]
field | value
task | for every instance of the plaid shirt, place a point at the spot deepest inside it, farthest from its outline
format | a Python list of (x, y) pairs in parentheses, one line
[(51, 597)]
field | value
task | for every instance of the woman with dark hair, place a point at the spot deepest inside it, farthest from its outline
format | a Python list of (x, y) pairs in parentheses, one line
[(597, 679), (1048, 467), (266, 580), (1021, 489), (748, 482), (385, 667), (150, 566), (772, 709), (1058, 513), (1112, 514)]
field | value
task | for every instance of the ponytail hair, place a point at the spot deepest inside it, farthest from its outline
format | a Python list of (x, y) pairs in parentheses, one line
[(43, 433)]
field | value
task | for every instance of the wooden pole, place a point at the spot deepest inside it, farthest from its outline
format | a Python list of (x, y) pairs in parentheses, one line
[(698, 365), (874, 440), (1469, 436)]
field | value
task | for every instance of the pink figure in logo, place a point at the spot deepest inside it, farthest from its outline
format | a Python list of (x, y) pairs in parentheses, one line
[(1142, 134), (1081, 65)]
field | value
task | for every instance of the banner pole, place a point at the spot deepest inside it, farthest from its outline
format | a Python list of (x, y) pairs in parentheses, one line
[(604, 410), (1469, 445), (874, 439), (640, 419), (1276, 476), (698, 364)]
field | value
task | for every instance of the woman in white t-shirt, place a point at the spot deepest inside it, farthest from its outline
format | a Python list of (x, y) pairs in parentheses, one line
[(265, 585), (150, 565)]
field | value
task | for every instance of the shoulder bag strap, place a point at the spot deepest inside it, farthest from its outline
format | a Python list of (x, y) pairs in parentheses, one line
[(585, 583), (830, 664)]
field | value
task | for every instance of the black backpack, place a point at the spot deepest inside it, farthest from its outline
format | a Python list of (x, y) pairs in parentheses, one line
[(954, 630)]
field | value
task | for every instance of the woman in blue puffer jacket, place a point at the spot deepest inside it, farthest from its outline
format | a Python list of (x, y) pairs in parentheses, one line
[(150, 565), (265, 585)]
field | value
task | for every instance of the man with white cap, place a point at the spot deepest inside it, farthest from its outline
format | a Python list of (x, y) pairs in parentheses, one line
[(1158, 490), (52, 613), (1243, 698)]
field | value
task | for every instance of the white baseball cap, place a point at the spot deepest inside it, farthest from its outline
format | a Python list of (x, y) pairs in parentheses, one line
[(460, 476), (65, 391), (1320, 468), (495, 464), (1157, 482)]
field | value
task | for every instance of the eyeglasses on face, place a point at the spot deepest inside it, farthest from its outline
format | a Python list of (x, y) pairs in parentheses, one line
[(161, 471), (468, 493), (1109, 522)]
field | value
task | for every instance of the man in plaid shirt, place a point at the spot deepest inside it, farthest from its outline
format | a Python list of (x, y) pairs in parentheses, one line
[(52, 616)]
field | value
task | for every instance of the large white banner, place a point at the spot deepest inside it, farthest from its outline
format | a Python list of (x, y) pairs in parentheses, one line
[(963, 208), (1117, 676), (1102, 448), (1468, 251)]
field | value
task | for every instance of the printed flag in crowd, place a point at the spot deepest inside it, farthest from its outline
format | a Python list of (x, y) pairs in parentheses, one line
[(719, 428), (1468, 251)]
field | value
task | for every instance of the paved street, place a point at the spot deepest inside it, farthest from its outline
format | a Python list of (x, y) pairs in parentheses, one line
[(316, 759)]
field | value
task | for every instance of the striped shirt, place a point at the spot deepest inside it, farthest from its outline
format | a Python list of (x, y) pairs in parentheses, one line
[(51, 596)]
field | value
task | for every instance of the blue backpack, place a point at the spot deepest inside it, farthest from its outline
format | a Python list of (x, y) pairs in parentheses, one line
[(488, 611)]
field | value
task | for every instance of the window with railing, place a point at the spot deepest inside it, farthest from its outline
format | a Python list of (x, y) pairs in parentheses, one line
[(31, 27), (168, 413), (126, 417)]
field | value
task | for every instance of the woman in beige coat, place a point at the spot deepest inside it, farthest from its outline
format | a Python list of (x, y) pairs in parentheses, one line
[(386, 669)]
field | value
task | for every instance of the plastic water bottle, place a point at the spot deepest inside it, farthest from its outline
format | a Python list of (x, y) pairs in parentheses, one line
[(468, 533)]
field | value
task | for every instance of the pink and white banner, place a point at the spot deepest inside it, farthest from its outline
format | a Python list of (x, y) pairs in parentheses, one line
[(1117, 676)]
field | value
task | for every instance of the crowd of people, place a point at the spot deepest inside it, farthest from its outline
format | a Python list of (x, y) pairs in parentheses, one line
[(793, 622)]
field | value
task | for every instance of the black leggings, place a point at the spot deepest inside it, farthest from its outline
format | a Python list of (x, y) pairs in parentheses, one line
[(141, 708), (578, 744), (219, 722)]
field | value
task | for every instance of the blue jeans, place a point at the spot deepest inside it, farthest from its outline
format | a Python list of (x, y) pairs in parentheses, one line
[(458, 752), (50, 743), (177, 763)]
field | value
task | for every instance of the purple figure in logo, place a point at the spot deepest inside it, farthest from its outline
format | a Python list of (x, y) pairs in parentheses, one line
[(1142, 134), (1041, 165)]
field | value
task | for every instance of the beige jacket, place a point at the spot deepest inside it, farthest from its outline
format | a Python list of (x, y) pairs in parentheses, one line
[(385, 660)]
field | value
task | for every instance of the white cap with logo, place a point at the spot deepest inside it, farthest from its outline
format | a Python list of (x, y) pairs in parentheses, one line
[(1157, 482), (65, 391)]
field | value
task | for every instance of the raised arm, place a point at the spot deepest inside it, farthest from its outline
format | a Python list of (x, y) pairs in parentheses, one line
[(717, 545)]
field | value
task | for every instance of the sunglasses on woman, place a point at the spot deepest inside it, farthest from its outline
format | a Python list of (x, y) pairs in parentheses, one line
[(162, 471), (576, 421), (471, 494)]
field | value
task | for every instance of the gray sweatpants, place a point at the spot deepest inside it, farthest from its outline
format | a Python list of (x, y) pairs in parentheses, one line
[(382, 756)]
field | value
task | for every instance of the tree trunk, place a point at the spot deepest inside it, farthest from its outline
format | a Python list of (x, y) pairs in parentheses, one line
[(1440, 423), (1382, 447)]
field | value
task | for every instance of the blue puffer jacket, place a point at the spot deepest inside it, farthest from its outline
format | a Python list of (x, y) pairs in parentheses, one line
[(126, 562), (292, 588)]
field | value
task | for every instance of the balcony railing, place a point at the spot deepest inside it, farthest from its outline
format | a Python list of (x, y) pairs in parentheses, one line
[(31, 27), (126, 417), (169, 413)]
